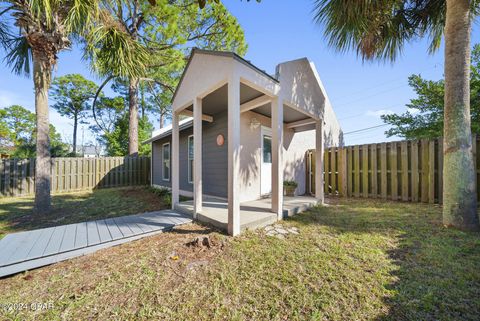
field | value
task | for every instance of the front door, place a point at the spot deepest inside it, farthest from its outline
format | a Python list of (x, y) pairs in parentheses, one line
[(266, 166)]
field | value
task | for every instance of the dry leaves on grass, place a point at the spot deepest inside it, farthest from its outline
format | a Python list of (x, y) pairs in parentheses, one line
[(113, 277)]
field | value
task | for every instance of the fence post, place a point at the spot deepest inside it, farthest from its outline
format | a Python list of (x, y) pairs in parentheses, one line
[(349, 171), (342, 171), (333, 170), (365, 187), (24, 177), (425, 163), (383, 170), (394, 170), (356, 159), (414, 179), (374, 170), (14, 176), (431, 171), (404, 166), (7, 178), (326, 171)]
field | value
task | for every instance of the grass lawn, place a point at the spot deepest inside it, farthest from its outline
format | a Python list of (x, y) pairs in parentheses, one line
[(353, 260), (16, 213)]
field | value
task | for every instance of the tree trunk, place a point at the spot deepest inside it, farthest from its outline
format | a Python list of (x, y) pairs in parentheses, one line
[(162, 120), (75, 123), (133, 117), (459, 177), (142, 93), (41, 79)]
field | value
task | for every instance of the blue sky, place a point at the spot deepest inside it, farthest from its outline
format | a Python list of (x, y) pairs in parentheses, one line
[(282, 30)]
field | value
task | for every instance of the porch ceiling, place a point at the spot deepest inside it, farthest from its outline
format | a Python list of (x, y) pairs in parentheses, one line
[(217, 102), (289, 115)]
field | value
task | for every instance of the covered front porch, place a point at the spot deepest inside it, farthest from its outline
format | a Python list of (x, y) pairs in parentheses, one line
[(253, 214), (215, 82)]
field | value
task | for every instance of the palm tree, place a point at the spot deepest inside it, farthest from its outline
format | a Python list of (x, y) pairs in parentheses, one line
[(166, 30), (44, 28), (379, 30)]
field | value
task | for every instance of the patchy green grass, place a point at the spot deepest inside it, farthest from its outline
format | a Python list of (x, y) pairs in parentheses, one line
[(16, 214), (353, 260)]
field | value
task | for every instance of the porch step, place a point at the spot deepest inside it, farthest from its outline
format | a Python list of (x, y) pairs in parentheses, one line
[(254, 214)]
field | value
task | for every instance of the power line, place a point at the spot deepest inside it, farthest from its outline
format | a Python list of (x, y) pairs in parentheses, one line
[(439, 64), (352, 116), (364, 129), (370, 96)]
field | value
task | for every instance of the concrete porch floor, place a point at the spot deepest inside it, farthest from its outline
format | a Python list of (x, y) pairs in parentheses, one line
[(253, 214)]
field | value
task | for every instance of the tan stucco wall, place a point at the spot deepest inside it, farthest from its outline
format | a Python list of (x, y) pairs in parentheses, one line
[(333, 134), (295, 147), (299, 87), (250, 157), (211, 69)]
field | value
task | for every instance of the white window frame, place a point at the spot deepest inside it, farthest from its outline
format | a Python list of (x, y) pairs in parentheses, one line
[(190, 168), (169, 160), (265, 131)]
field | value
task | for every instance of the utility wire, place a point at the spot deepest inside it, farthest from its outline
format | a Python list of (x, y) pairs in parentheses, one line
[(370, 96), (364, 129), (352, 116), (439, 64)]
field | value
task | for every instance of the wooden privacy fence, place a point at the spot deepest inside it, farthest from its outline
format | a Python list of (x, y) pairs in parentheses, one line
[(17, 176), (405, 170)]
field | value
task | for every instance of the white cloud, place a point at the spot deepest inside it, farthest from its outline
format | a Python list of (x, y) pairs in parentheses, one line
[(379, 112)]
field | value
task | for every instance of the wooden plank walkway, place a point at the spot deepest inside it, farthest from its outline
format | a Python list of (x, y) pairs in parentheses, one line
[(32, 249)]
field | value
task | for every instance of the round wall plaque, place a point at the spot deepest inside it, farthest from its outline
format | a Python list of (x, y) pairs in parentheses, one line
[(220, 140)]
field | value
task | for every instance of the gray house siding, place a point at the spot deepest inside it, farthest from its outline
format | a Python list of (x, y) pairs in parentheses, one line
[(214, 167), (214, 157)]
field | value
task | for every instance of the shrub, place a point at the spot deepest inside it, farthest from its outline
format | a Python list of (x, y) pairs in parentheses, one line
[(290, 183), (167, 200), (160, 191), (164, 193)]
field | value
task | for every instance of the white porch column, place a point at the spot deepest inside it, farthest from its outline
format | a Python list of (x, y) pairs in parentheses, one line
[(233, 155), (277, 157), (197, 156), (319, 149), (175, 160)]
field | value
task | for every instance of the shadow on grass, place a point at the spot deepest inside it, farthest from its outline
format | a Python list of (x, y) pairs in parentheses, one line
[(16, 214), (435, 271)]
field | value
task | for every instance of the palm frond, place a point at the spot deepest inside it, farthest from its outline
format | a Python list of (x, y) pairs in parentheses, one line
[(112, 52), (5, 32), (81, 15), (429, 18), (379, 29), (19, 56), (44, 10), (4, 35)]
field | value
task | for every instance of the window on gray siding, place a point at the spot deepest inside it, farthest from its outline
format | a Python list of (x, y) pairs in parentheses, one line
[(190, 159), (166, 161)]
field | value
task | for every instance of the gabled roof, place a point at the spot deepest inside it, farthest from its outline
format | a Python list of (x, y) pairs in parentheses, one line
[(228, 54)]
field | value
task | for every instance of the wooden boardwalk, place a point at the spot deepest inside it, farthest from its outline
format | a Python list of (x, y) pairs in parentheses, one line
[(32, 249)]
